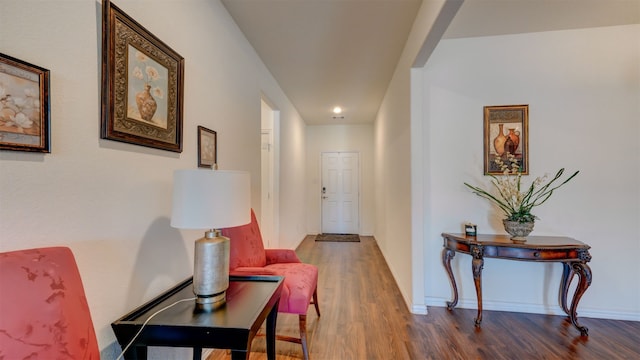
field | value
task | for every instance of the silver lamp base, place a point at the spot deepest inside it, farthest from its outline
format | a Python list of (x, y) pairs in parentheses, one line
[(211, 270), (210, 303)]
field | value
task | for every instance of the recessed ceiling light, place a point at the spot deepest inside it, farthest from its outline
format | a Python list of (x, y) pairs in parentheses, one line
[(337, 110)]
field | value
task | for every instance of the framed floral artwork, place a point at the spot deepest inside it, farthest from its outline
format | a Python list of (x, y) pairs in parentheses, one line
[(142, 84), (24, 106), (207, 148), (506, 138)]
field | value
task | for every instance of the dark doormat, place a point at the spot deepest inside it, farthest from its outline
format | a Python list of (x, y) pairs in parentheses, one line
[(338, 237)]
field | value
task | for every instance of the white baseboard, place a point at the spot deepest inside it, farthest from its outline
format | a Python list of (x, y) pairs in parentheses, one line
[(550, 309), (419, 309)]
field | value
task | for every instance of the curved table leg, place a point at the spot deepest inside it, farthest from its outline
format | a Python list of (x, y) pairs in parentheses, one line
[(447, 255), (584, 281), (567, 277), (476, 265)]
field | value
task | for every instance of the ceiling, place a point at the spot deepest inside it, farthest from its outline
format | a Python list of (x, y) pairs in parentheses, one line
[(327, 53)]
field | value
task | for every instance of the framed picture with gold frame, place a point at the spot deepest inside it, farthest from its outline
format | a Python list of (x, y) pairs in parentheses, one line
[(207, 148), (142, 84), (506, 136), (24, 106)]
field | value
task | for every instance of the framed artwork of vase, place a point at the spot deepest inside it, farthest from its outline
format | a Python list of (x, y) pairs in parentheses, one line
[(142, 84), (506, 138), (24, 106), (207, 148)]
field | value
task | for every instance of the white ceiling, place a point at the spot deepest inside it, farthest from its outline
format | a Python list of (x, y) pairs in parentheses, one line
[(327, 53), (502, 17)]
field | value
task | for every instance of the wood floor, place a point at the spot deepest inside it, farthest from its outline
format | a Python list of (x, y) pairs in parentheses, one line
[(364, 317)]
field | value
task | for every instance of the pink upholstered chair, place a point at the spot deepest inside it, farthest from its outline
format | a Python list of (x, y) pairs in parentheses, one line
[(249, 257), (43, 309)]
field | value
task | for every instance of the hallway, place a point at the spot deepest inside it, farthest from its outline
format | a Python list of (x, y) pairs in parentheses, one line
[(365, 317)]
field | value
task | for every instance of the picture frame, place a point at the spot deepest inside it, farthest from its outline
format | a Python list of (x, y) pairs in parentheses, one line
[(506, 130), (207, 148), (142, 84), (25, 119)]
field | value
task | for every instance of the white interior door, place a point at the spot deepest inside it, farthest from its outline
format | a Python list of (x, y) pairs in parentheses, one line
[(340, 191), (267, 220), (266, 223)]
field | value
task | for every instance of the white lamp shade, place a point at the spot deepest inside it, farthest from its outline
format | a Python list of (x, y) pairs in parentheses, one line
[(210, 199)]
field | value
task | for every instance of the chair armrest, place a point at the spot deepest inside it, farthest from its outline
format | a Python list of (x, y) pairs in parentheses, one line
[(251, 271), (279, 256)]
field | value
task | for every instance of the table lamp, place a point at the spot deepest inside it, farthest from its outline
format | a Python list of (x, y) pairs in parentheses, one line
[(210, 199)]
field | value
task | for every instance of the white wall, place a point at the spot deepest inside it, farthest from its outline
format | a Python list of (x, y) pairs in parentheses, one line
[(110, 201), (291, 186), (325, 138), (396, 229), (583, 91)]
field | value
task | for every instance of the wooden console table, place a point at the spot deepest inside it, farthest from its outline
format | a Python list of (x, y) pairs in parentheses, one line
[(250, 299), (572, 253)]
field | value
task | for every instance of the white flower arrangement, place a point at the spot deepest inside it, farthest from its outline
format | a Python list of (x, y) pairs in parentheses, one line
[(515, 203), (151, 73)]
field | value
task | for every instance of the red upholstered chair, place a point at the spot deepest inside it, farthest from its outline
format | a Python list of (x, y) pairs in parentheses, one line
[(43, 309), (249, 257)]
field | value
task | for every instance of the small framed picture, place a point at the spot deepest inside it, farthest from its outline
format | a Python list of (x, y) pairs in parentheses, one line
[(24, 106), (207, 148), (506, 138)]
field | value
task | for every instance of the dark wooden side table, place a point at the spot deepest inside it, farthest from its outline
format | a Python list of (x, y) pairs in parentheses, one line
[(233, 326), (572, 253)]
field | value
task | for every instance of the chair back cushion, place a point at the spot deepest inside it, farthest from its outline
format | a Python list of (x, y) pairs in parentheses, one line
[(247, 249), (43, 309)]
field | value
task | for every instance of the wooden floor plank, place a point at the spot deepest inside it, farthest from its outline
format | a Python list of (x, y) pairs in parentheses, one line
[(364, 317)]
